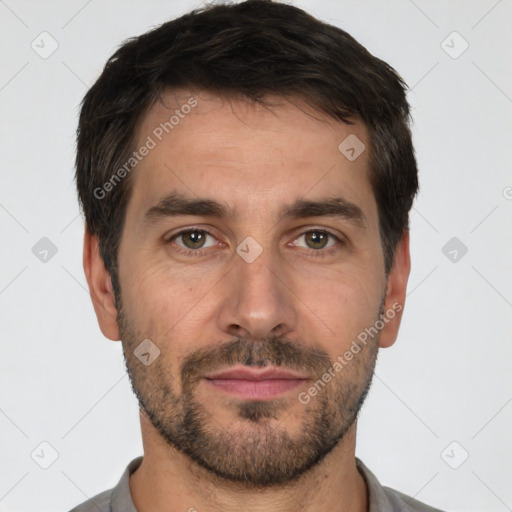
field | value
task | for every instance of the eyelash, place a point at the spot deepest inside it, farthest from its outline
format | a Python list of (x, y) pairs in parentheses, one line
[(318, 253)]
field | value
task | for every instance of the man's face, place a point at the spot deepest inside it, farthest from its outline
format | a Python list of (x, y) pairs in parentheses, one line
[(253, 288)]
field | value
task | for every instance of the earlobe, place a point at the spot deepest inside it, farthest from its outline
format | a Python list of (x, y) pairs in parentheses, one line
[(100, 287), (396, 292)]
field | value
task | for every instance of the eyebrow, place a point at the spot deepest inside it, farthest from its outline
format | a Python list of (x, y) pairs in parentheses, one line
[(176, 204)]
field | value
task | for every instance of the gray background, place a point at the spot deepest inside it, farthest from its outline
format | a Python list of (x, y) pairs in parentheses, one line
[(442, 392)]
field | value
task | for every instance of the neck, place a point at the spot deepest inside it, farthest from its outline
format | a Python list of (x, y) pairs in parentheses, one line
[(167, 478)]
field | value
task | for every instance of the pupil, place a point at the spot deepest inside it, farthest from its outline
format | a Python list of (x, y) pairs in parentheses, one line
[(196, 237), (318, 238)]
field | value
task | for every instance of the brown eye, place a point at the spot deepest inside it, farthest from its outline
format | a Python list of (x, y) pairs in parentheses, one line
[(316, 239), (192, 239)]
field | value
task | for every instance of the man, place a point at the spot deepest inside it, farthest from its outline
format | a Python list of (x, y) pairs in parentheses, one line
[(246, 173)]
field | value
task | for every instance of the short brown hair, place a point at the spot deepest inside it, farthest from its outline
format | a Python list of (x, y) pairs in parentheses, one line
[(247, 50)]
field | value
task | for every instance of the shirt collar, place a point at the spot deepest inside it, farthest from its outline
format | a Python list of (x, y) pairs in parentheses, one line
[(378, 501), (121, 498)]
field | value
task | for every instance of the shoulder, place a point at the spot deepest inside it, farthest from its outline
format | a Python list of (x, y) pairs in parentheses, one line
[(385, 499), (117, 499), (100, 503), (404, 503)]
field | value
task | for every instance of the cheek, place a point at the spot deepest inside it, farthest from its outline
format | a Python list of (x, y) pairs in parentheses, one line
[(151, 287), (341, 308), (168, 305)]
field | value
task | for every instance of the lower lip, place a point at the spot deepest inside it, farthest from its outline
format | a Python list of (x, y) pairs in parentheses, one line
[(256, 389)]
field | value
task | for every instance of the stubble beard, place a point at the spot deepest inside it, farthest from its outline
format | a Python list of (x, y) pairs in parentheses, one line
[(255, 450)]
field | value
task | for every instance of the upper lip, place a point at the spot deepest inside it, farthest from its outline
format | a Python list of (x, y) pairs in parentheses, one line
[(264, 373)]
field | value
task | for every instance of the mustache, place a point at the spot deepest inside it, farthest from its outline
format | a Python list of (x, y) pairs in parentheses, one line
[(272, 351)]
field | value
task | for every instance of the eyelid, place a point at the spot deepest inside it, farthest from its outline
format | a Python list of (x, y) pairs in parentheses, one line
[(210, 230), (324, 229)]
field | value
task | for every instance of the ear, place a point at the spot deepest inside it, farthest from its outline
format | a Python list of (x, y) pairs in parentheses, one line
[(100, 287), (396, 291)]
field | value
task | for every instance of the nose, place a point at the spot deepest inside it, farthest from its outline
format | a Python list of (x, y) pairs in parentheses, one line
[(257, 299)]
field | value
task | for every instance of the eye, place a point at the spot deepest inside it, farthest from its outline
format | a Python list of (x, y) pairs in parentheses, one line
[(194, 242), (319, 242), (316, 239), (192, 239)]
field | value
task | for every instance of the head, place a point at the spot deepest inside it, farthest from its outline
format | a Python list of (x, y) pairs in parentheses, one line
[(246, 174)]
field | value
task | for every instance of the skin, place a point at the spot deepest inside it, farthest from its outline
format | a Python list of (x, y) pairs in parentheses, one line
[(255, 160)]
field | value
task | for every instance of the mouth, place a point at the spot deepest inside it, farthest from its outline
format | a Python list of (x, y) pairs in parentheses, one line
[(256, 383)]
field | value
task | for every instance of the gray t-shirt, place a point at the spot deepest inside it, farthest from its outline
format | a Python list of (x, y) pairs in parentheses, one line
[(381, 499)]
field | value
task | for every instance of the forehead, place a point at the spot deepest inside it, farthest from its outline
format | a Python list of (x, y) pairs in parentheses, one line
[(250, 156)]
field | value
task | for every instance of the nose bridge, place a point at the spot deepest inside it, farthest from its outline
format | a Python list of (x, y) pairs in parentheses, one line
[(257, 302)]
